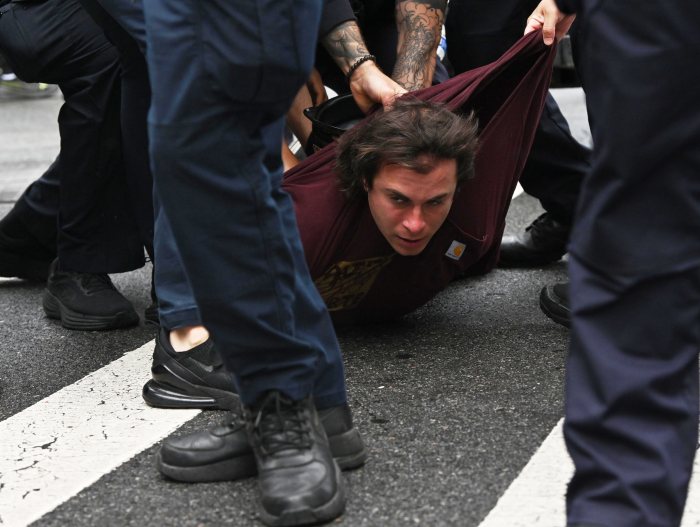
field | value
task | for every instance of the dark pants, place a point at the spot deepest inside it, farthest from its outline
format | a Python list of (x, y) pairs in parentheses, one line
[(223, 75), (177, 307), (632, 375), (56, 42), (135, 101), (478, 32)]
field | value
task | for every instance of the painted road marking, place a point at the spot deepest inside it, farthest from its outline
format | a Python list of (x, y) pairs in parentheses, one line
[(518, 191), (67, 441), (536, 497)]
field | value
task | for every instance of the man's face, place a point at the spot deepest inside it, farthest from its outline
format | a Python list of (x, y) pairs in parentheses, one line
[(409, 207)]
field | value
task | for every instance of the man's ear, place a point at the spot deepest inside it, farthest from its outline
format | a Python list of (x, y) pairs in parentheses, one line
[(365, 185)]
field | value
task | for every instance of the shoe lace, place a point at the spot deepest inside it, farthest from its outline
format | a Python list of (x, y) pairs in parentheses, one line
[(94, 283), (280, 425)]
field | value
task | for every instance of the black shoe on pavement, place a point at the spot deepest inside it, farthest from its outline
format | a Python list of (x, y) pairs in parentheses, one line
[(21, 255), (86, 301), (224, 454), (542, 243), (189, 379), (554, 302), (298, 479)]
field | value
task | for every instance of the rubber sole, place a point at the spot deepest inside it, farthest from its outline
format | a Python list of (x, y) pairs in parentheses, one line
[(310, 516), (82, 322), (347, 449), (234, 469), (164, 395), (551, 305)]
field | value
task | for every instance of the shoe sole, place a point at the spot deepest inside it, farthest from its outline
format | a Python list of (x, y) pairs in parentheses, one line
[(309, 516), (241, 467), (165, 395), (79, 321), (550, 304), (347, 449)]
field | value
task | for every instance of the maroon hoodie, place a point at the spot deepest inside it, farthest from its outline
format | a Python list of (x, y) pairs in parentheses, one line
[(355, 269)]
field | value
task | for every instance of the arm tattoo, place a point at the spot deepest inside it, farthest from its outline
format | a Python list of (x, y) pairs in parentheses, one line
[(345, 45), (419, 25)]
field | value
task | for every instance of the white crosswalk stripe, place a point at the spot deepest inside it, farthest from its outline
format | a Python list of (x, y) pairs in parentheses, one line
[(67, 441)]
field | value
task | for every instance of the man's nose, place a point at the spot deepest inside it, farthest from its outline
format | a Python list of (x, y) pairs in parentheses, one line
[(413, 221)]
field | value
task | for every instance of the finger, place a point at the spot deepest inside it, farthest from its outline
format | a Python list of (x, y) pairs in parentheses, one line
[(533, 23), (549, 28)]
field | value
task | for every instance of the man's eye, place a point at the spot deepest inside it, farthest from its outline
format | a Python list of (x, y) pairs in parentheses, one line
[(398, 199), (436, 202)]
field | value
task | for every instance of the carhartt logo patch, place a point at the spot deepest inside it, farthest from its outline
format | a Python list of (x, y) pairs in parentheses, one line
[(456, 250)]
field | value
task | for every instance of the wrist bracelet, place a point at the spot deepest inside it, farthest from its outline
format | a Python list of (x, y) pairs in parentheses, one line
[(359, 62)]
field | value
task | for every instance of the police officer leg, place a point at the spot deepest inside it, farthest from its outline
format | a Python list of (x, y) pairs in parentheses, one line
[(221, 200), (632, 390)]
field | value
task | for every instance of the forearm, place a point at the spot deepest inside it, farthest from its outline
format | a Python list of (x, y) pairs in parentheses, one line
[(367, 82), (345, 45), (419, 25)]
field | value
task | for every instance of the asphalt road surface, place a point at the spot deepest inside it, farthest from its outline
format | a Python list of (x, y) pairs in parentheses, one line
[(454, 401)]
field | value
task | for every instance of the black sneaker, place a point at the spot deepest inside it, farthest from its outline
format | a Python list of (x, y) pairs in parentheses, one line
[(21, 255), (189, 379), (86, 301), (298, 479), (223, 453), (542, 243), (554, 302)]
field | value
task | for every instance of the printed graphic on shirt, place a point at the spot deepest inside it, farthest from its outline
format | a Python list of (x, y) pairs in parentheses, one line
[(345, 284), (456, 250)]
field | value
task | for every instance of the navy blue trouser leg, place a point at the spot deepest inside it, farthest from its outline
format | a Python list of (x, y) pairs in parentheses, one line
[(632, 375), (631, 396), (221, 74), (176, 305)]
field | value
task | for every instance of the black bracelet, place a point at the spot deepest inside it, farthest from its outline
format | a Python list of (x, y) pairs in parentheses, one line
[(359, 62)]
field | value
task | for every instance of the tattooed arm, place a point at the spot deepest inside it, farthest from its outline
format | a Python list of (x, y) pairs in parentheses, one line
[(419, 24), (368, 84)]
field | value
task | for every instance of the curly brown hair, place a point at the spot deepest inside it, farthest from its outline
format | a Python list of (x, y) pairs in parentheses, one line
[(410, 130)]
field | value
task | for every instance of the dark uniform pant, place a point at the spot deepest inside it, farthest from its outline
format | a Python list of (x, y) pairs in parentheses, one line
[(632, 375), (223, 74), (56, 42), (480, 31), (135, 101)]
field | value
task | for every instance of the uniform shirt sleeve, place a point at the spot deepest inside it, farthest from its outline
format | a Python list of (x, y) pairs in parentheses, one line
[(335, 12)]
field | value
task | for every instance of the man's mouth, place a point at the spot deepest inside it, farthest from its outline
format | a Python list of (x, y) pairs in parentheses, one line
[(410, 241)]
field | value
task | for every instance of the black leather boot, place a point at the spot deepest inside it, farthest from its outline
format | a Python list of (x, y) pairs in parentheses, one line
[(298, 480), (542, 243), (223, 453), (554, 302)]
